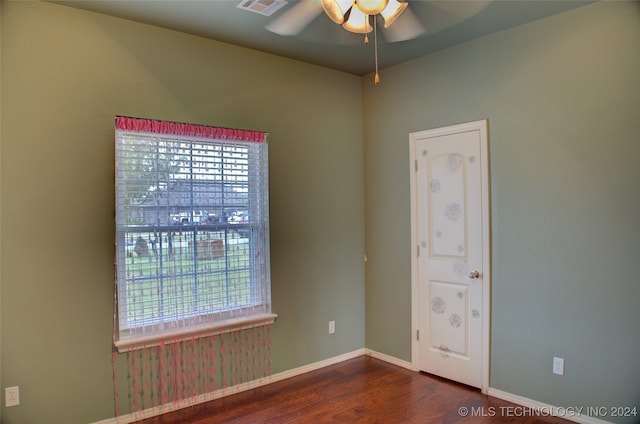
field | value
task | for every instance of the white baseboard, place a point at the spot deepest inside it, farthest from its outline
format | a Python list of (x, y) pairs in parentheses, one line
[(390, 359), (316, 365), (570, 414), (174, 406)]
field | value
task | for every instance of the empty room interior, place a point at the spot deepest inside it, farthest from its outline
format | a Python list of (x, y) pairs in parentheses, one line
[(558, 95)]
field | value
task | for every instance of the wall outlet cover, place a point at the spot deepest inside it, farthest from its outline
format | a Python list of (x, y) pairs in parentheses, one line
[(558, 365), (11, 396)]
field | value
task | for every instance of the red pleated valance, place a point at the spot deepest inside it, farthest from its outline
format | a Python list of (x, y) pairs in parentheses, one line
[(177, 128)]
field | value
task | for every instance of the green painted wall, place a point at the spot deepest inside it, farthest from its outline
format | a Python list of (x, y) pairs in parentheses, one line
[(65, 74), (562, 98)]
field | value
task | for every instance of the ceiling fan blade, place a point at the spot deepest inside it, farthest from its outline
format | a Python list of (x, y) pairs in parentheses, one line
[(294, 20), (406, 27)]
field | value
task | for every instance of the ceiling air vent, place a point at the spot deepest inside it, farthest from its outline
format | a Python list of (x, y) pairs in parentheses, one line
[(263, 7)]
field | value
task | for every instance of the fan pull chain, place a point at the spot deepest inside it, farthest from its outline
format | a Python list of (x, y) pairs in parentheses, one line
[(366, 34), (375, 47)]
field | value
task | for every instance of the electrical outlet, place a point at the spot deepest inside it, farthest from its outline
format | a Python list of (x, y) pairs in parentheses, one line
[(11, 396), (332, 327), (558, 365)]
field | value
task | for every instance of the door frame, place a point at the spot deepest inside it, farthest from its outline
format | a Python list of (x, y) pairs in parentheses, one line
[(482, 127)]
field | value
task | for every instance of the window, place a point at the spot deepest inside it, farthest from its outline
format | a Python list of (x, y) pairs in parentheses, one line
[(192, 224)]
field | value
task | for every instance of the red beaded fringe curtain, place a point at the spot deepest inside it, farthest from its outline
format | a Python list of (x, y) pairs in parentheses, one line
[(179, 372)]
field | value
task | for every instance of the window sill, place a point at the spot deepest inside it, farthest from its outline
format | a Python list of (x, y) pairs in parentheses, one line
[(176, 336)]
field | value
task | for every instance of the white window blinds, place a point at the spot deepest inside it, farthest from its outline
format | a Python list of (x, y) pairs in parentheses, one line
[(192, 223)]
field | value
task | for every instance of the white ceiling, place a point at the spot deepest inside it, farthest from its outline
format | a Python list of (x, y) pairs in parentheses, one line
[(322, 42)]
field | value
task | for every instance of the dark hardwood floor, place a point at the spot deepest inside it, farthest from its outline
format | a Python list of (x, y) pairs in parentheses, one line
[(361, 390)]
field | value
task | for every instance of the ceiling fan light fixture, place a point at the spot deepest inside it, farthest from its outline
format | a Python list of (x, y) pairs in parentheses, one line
[(392, 11), (371, 7), (336, 9), (357, 22)]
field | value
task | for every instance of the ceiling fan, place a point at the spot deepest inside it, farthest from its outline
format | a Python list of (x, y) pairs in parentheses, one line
[(395, 18), (354, 16), (399, 20)]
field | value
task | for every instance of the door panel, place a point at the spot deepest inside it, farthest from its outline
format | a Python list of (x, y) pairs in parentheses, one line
[(446, 195), (447, 315)]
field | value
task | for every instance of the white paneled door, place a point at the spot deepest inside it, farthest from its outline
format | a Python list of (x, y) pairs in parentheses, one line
[(450, 236)]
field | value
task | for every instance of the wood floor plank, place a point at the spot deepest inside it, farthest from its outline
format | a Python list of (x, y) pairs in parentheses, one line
[(362, 390)]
